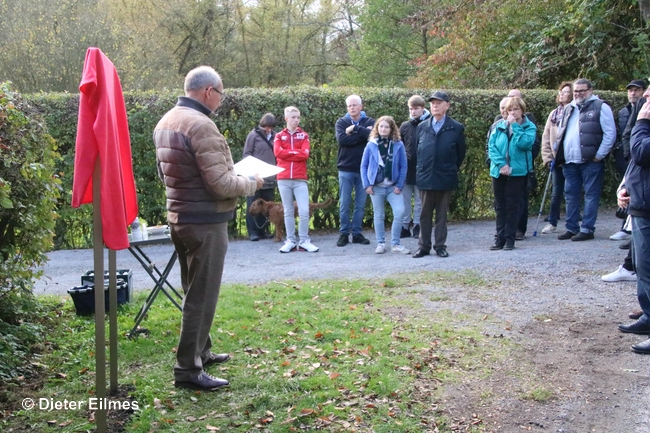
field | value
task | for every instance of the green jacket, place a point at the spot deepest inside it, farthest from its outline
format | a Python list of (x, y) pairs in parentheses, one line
[(517, 147)]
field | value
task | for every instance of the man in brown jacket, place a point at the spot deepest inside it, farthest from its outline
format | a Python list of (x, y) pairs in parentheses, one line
[(196, 166)]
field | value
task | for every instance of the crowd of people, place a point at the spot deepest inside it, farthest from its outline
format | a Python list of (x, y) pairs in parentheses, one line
[(415, 168)]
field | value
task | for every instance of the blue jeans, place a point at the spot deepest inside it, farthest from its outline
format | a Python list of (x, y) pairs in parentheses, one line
[(349, 181), (641, 257), (587, 176), (297, 190), (396, 201), (557, 195)]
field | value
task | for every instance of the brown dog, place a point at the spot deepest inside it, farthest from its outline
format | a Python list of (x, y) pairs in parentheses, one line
[(275, 212)]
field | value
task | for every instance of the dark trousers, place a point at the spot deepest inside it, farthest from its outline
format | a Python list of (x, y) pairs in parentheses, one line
[(508, 191), (628, 262), (201, 252), (258, 225), (557, 195), (641, 256), (522, 223), (438, 201)]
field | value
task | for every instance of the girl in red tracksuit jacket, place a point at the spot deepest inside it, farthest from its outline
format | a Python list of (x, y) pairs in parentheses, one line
[(291, 148)]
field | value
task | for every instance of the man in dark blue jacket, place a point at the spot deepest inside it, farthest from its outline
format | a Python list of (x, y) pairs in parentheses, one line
[(440, 152), (352, 131), (634, 194)]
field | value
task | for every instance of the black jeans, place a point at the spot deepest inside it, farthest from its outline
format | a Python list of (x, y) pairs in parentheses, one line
[(508, 191)]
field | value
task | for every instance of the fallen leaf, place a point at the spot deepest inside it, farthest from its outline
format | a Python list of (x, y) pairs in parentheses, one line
[(334, 375), (318, 336), (157, 403), (212, 428), (352, 307), (190, 419), (60, 375), (65, 423), (307, 412)]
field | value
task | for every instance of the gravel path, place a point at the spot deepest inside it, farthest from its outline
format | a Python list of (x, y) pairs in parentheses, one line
[(468, 246)]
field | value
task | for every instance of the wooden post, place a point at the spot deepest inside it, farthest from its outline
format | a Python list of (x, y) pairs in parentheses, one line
[(112, 295), (100, 329)]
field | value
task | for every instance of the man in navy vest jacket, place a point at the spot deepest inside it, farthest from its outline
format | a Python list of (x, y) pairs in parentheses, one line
[(585, 138)]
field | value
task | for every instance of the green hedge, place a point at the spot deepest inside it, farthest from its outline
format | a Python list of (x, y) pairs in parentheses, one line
[(28, 199), (320, 108)]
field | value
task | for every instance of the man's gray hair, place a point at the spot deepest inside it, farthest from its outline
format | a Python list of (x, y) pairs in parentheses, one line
[(583, 81), (357, 97), (201, 77)]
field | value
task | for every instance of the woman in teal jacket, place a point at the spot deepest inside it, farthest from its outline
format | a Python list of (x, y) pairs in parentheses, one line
[(510, 148)]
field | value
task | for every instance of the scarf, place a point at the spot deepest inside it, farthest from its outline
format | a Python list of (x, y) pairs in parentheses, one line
[(386, 152)]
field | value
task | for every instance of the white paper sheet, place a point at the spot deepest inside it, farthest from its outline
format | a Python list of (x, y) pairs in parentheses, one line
[(251, 165)]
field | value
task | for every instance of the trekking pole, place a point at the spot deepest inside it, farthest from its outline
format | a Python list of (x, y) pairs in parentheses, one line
[(541, 207)]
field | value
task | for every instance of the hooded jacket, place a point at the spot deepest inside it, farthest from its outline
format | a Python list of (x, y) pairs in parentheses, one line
[(351, 146), (408, 132)]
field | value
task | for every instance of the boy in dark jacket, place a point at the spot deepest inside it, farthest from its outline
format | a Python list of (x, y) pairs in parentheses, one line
[(417, 114)]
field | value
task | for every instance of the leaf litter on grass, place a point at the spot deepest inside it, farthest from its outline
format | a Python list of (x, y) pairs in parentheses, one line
[(326, 355)]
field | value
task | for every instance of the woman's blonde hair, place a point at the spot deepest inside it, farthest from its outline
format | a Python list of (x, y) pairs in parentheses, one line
[(394, 130), (516, 102)]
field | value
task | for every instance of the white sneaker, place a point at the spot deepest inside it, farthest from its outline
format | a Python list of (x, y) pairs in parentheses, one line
[(620, 274), (288, 246), (381, 248), (620, 236), (400, 249), (550, 228), (309, 247)]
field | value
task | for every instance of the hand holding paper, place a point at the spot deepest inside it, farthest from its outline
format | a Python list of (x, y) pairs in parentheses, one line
[(250, 166)]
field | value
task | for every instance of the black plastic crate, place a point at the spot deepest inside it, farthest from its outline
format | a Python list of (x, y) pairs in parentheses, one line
[(124, 275), (84, 297)]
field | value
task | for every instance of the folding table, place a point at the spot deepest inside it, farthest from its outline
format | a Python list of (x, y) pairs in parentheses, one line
[(162, 284)]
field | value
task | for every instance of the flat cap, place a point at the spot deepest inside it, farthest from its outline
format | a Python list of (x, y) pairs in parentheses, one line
[(439, 95)]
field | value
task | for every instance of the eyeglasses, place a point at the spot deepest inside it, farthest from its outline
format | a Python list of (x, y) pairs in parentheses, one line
[(580, 92), (218, 91)]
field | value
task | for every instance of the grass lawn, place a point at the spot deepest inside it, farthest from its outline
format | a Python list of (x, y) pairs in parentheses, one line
[(364, 356)]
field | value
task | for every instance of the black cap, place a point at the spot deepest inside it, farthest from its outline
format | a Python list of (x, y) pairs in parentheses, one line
[(637, 83), (441, 96)]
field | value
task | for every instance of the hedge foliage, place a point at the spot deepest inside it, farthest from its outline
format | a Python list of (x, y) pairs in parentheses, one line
[(29, 190), (320, 108)]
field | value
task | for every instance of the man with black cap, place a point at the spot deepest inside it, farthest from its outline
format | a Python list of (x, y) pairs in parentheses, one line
[(440, 152), (626, 121)]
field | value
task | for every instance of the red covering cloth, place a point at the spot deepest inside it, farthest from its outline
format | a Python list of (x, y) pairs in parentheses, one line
[(103, 132)]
